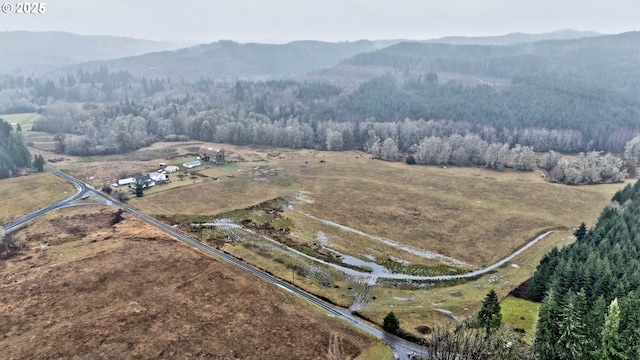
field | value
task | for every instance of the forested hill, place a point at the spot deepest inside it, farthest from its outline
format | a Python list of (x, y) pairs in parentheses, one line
[(578, 282), (513, 38), (24, 53), (229, 60), (609, 61)]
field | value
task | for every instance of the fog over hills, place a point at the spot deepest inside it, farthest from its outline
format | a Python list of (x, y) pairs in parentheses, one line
[(33, 53), (514, 38), (26, 52), (229, 60)]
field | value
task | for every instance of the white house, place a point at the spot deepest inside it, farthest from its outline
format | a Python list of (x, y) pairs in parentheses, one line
[(158, 177)]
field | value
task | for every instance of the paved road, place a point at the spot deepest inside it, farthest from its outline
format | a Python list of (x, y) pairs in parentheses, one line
[(81, 190), (401, 347)]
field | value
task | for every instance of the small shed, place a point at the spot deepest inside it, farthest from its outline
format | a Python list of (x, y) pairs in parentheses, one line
[(171, 168), (211, 154)]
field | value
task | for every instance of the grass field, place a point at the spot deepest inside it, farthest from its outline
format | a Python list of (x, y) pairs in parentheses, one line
[(25, 120), (520, 314), (379, 352), (39, 140), (24, 194), (472, 215)]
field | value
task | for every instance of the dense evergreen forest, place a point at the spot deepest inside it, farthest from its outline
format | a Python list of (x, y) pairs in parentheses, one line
[(591, 301), (13, 152)]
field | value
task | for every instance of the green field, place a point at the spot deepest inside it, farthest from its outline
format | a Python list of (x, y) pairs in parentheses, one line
[(39, 140), (520, 314), (25, 120)]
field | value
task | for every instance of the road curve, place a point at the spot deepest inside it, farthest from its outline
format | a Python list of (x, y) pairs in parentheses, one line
[(81, 190)]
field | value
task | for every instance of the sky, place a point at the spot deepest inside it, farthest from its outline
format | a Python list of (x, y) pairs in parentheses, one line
[(279, 21)]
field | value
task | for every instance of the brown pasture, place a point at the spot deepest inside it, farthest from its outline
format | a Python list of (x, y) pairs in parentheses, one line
[(475, 215), (86, 288)]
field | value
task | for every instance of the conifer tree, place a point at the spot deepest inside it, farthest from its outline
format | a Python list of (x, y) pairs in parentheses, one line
[(611, 347), (489, 316), (38, 163), (580, 232), (572, 342), (391, 323), (546, 332), (139, 190)]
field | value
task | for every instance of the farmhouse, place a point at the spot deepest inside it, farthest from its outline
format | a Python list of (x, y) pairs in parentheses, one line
[(145, 181), (158, 177), (191, 164), (211, 154)]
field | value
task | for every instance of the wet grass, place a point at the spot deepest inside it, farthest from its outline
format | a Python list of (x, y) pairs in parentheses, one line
[(419, 269), (521, 314)]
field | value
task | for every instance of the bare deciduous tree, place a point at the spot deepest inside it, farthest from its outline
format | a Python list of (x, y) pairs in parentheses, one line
[(496, 156), (523, 158), (632, 150), (389, 150), (8, 245)]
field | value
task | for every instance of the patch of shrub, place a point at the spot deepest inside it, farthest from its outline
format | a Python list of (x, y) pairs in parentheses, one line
[(8, 245), (116, 217)]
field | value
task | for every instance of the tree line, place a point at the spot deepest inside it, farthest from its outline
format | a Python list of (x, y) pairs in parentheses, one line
[(589, 290), (532, 112), (13, 152)]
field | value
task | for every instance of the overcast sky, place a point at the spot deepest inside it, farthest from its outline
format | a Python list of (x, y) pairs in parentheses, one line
[(197, 21)]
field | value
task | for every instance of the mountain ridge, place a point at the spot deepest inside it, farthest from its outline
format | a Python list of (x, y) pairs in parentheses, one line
[(26, 52)]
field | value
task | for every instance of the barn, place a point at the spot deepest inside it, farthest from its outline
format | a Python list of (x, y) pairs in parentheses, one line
[(211, 154)]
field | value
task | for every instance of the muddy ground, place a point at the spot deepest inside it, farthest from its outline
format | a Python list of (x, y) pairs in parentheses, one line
[(94, 285)]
